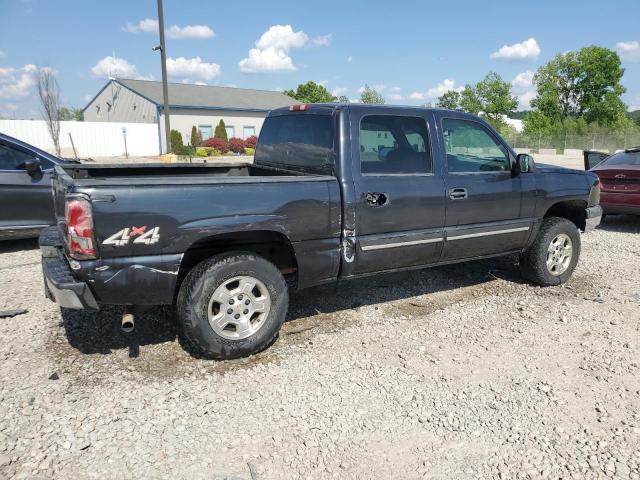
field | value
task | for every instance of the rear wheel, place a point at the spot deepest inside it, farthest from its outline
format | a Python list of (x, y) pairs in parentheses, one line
[(232, 305), (554, 254)]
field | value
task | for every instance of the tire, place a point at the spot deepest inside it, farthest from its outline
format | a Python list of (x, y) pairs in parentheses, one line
[(209, 293), (534, 261)]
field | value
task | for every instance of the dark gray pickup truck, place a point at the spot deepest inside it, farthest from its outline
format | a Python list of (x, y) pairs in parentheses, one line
[(335, 192)]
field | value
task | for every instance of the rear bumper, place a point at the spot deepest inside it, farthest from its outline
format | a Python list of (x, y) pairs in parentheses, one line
[(619, 202), (593, 217)]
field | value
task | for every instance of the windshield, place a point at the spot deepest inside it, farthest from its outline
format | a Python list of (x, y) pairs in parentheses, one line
[(297, 142), (623, 158)]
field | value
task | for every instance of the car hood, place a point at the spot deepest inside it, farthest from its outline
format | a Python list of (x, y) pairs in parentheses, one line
[(546, 168)]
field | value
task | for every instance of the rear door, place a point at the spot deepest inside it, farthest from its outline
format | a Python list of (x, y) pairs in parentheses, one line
[(399, 190), (484, 198), (26, 200)]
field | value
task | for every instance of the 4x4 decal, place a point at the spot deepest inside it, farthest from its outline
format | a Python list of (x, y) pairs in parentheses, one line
[(137, 234)]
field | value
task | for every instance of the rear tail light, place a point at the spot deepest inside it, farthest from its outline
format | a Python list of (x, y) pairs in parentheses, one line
[(298, 108), (80, 237)]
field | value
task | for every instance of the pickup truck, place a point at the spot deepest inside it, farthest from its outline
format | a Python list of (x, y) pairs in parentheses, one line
[(336, 191)]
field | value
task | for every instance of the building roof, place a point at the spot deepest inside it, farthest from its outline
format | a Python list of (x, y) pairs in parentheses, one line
[(209, 96)]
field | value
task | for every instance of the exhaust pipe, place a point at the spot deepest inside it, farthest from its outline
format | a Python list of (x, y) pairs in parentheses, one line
[(128, 320)]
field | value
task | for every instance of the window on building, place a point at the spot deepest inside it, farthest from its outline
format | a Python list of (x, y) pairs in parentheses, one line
[(205, 131), (248, 132), (392, 144), (231, 131)]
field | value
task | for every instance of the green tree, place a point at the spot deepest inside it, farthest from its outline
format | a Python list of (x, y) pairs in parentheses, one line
[(196, 137), (536, 123), (343, 99), (177, 146), (371, 95), (469, 101), (221, 131), (494, 95), (311, 92), (450, 100), (70, 114)]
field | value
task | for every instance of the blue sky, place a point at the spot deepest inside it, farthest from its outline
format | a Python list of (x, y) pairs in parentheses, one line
[(410, 50)]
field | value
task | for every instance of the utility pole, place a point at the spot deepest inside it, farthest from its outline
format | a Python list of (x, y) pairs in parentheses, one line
[(165, 89)]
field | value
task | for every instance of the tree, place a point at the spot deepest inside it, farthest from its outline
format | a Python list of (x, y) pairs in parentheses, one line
[(449, 99), (469, 101), (584, 83), (311, 92), (221, 132), (343, 99), (536, 123), (49, 93), (177, 146), (196, 137), (73, 114), (494, 95), (371, 95)]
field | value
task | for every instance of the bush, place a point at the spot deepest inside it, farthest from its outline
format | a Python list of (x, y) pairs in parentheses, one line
[(217, 143), (212, 152), (196, 137), (221, 132), (177, 146), (251, 142), (202, 152), (249, 151), (236, 145)]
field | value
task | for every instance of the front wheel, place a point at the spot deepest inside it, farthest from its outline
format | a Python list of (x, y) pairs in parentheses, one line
[(232, 305), (553, 256)]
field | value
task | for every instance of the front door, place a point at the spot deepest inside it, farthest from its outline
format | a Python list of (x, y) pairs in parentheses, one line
[(400, 192), (26, 201), (484, 198)]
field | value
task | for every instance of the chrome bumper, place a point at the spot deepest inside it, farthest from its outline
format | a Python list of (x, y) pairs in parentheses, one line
[(592, 218)]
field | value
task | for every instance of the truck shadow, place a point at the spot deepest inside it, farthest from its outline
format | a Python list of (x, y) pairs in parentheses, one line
[(621, 223), (99, 332), (11, 246)]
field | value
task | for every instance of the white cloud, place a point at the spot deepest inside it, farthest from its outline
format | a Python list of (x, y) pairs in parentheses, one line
[(17, 82), (192, 67), (117, 67), (349, 59), (434, 92), (272, 50), (527, 50), (417, 96), (629, 50), (522, 86), (149, 25), (339, 91), (323, 82)]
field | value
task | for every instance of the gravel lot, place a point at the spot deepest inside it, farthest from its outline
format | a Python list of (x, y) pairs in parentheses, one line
[(453, 372)]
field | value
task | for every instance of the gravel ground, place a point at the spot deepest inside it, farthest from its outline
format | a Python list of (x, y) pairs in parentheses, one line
[(454, 372)]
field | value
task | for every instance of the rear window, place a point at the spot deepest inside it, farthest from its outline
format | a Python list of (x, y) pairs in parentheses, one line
[(298, 142), (623, 158)]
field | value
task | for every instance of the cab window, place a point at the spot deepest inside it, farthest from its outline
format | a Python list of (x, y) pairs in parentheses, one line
[(471, 148), (394, 144)]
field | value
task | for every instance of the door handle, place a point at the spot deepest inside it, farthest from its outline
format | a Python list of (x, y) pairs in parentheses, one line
[(376, 199), (458, 193)]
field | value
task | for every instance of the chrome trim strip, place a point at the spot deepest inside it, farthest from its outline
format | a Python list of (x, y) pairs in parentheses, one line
[(402, 244), (486, 234), (24, 227)]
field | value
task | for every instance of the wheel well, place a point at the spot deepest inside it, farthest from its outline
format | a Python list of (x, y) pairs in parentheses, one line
[(270, 245), (573, 210)]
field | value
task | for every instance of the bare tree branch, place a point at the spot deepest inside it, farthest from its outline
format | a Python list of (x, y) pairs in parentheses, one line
[(49, 93)]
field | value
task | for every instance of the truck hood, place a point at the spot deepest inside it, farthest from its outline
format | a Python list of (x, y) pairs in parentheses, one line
[(546, 168)]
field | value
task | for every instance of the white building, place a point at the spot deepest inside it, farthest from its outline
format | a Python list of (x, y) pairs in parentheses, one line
[(140, 101)]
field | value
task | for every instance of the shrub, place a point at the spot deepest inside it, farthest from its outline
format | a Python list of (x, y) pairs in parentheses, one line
[(251, 142), (217, 143), (236, 145), (212, 152), (196, 137), (202, 152), (249, 151), (177, 146), (221, 131)]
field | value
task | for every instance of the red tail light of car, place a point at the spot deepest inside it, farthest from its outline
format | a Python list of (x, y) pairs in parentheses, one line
[(80, 238)]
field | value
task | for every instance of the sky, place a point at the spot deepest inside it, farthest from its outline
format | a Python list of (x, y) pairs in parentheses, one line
[(411, 51)]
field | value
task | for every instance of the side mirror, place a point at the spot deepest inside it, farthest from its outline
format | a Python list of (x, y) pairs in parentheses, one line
[(524, 162), (33, 168)]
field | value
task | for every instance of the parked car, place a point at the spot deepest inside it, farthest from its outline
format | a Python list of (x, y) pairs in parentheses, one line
[(336, 192), (619, 176), (25, 189)]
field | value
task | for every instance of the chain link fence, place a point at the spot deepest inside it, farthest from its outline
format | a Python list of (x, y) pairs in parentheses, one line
[(609, 142)]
